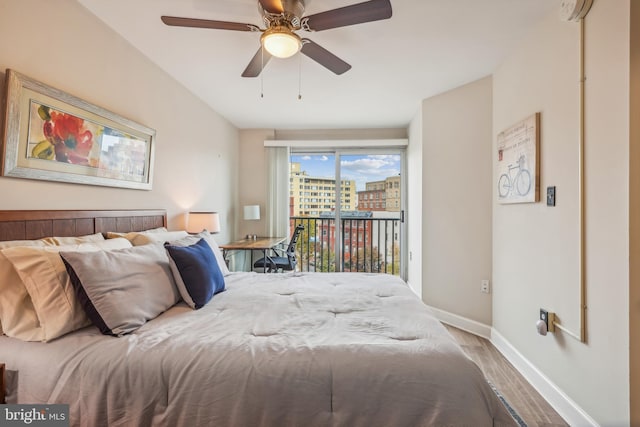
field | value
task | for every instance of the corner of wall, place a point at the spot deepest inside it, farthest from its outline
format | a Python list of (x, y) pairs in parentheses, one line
[(414, 204), (252, 183), (457, 181), (634, 217)]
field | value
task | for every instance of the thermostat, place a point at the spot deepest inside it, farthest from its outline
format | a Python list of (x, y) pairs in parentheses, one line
[(574, 10)]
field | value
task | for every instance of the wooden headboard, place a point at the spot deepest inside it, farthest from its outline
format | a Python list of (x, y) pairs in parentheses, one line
[(28, 225)]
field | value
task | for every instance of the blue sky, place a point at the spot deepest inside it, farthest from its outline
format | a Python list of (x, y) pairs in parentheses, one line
[(361, 168)]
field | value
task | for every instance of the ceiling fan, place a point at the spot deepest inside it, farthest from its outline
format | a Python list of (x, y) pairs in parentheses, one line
[(283, 18)]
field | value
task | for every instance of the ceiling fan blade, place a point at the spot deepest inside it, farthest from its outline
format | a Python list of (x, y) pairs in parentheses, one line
[(367, 11), (272, 6), (255, 66), (206, 23), (323, 57)]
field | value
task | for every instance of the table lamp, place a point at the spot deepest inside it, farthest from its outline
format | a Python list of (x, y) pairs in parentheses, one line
[(199, 221), (251, 213)]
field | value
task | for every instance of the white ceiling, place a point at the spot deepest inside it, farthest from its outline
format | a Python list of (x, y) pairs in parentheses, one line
[(427, 47)]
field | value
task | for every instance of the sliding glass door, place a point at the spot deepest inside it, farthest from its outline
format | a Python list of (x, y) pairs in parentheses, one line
[(313, 204), (351, 204)]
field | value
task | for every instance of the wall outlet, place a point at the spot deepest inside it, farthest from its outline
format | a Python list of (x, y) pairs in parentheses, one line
[(485, 287)]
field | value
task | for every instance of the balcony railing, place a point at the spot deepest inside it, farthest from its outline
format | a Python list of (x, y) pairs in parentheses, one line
[(369, 245)]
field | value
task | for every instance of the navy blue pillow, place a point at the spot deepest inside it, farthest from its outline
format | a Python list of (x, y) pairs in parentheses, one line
[(196, 272)]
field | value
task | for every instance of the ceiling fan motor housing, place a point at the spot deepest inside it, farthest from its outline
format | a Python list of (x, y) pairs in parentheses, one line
[(281, 12)]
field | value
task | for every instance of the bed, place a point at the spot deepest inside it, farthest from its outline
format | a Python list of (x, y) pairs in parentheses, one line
[(312, 349)]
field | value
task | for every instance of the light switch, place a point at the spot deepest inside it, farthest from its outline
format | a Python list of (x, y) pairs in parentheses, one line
[(551, 196)]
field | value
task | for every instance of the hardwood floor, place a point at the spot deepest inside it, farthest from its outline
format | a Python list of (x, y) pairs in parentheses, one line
[(528, 403)]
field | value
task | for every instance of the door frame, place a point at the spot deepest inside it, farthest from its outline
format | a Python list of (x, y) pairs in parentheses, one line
[(338, 153)]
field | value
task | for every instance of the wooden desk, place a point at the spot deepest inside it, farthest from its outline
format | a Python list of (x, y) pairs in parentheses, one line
[(260, 244)]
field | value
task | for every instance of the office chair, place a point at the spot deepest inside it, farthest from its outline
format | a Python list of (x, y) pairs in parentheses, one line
[(283, 261)]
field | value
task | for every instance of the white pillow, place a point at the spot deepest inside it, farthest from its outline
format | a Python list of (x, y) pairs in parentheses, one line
[(60, 241), (45, 278), (139, 238), (114, 234), (192, 239), (156, 230)]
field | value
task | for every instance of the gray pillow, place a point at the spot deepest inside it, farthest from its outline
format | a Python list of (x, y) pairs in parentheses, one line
[(122, 289)]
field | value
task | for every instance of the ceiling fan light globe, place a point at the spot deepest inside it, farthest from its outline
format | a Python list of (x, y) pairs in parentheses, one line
[(281, 44)]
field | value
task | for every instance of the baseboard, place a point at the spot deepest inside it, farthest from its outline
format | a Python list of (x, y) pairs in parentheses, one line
[(463, 323), (567, 408), (418, 291), (573, 414)]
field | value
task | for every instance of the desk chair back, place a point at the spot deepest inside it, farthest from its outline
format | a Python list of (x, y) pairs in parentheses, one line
[(282, 260), (291, 249)]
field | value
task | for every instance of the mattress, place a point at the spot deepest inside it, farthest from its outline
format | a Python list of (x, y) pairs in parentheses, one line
[(296, 349)]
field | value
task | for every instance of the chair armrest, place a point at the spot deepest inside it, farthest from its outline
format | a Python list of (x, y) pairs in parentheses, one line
[(279, 251)]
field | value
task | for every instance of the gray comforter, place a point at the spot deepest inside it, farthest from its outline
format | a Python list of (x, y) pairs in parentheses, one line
[(338, 349)]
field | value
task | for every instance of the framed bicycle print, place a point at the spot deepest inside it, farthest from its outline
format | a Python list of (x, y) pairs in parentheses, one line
[(54, 136), (518, 166)]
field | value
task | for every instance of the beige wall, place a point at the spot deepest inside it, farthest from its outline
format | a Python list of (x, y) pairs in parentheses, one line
[(535, 247), (414, 204), (456, 200), (252, 180), (63, 45), (634, 217)]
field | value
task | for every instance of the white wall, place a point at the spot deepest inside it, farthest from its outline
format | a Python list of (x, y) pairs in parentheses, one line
[(63, 45), (252, 182), (535, 247), (634, 217), (456, 200), (414, 204)]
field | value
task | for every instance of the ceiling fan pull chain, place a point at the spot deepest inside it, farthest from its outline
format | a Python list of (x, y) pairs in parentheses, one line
[(261, 69), (299, 76)]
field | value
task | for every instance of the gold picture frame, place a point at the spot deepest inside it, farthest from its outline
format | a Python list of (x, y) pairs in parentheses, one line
[(51, 135)]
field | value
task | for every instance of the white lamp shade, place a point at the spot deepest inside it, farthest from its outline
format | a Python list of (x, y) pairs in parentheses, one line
[(280, 41), (199, 221), (281, 44), (252, 212)]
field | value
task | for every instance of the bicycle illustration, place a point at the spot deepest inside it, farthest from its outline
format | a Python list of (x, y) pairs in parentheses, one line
[(520, 183)]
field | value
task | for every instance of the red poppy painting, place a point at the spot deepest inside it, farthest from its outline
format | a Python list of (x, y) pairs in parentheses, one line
[(65, 138), (62, 137)]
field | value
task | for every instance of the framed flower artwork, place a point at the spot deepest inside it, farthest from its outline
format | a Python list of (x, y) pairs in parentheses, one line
[(54, 136)]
